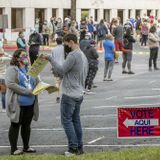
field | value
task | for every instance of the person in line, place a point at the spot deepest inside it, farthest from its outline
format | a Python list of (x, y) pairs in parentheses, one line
[(74, 71), (92, 57), (153, 42), (52, 29), (127, 56), (45, 33), (59, 56), (4, 62), (144, 32), (21, 104), (109, 57), (34, 45), (21, 43)]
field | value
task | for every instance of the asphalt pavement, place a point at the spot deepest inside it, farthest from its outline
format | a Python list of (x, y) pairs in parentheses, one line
[(98, 112)]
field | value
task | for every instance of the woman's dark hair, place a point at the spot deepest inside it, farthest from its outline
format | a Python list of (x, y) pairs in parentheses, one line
[(20, 33), (16, 55), (152, 29)]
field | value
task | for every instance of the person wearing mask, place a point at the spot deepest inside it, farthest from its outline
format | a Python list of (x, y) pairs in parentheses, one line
[(21, 104), (34, 45), (109, 57), (59, 56), (21, 43), (153, 43), (92, 57), (74, 71), (127, 56)]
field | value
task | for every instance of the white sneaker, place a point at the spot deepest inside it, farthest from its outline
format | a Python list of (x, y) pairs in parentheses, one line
[(89, 92), (3, 110), (69, 154)]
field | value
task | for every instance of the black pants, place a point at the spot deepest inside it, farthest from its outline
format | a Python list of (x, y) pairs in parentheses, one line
[(144, 40), (33, 54), (153, 57), (90, 77), (26, 115), (45, 39), (127, 58)]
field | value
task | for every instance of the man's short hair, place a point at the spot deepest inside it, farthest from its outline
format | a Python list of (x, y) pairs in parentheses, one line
[(70, 37), (59, 40)]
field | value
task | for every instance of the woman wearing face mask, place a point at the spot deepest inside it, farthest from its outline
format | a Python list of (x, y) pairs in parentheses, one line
[(21, 104)]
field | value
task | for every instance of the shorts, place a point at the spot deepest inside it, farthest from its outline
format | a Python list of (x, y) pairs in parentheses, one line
[(118, 45)]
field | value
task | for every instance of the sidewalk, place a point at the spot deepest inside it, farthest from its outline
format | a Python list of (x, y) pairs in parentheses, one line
[(11, 46)]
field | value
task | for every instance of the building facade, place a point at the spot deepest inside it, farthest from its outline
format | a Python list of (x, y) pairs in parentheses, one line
[(22, 14)]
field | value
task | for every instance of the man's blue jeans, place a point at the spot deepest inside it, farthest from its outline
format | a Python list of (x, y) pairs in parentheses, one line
[(70, 118), (3, 94)]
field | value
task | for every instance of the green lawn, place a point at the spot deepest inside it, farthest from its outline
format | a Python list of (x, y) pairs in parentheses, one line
[(130, 154)]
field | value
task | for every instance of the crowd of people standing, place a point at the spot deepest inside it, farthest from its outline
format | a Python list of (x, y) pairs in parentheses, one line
[(74, 62)]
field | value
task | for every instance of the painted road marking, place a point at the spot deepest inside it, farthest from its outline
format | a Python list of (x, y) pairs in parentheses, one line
[(109, 98), (95, 140), (92, 145), (95, 116), (142, 97), (61, 129), (126, 105)]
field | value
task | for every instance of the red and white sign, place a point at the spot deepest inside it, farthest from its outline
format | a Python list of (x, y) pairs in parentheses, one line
[(138, 122)]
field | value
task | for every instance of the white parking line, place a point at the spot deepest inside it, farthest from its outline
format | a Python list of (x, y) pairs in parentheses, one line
[(156, 89), (95, 140), (61, 129), (95, 116), (127, 105), (105, 145), (142, 97), (109, 98), (151, 82)]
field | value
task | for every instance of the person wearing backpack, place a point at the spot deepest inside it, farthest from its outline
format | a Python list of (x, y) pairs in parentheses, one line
[(102, 31), (127, 55)]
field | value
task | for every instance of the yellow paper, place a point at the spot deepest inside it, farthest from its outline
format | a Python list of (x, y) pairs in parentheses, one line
[(37, 66), (41, 86)]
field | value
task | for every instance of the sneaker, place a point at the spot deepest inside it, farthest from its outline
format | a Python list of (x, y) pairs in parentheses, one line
[(17, 152), (80, 150), (29, 150), (150, 69), (124, 72), (109, 79), (94, 86), (156, 69), (3, 110), (89, 92), (130, 72), (69, 154), (58, 100), (105, 79)]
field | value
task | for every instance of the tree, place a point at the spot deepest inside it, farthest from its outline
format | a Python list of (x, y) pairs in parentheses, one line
[(73, 9)]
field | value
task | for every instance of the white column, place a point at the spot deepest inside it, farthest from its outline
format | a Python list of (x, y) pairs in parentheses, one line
[(153, 12), (143, 11), (78, 15), (113, 14), (125, 15), (48, 14), (92, 13), (29, 20), (133, 13), (60, 13), (100, 14), (8, 35)]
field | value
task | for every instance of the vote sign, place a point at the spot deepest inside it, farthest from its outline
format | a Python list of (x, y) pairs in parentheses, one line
[(138, 122)]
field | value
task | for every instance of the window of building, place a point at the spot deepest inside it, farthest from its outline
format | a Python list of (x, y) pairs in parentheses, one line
[(40, 14), (138, 13), (54, 12), (107, 15), (96, 15), (149, 12), (1, 11), (17, 18), (66, 13), (85, 13), (120, 15)]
